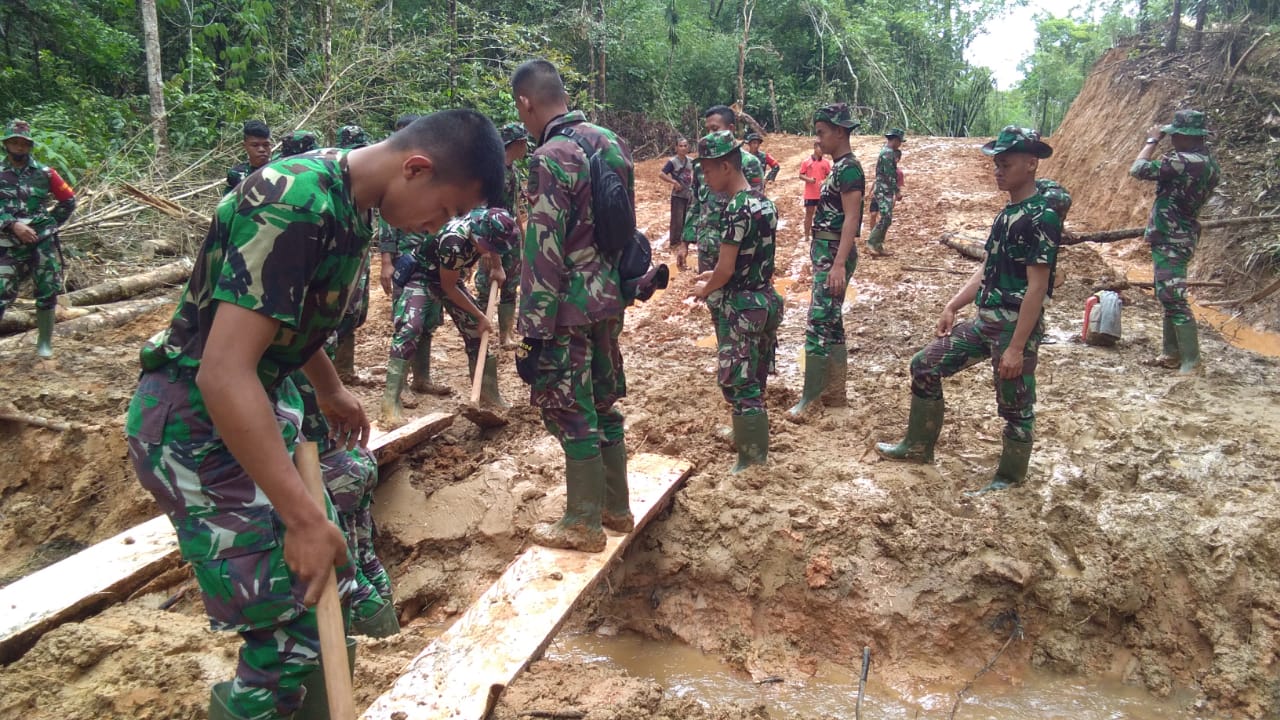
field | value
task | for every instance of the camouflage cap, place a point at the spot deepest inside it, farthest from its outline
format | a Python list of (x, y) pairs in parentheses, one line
[(896, 133), (754, 136), (1019, 140), (299, 142), (351, 137), (838, 114), (1186, 122), (17, 129), (493, 229), (717, 144), (511, 132)]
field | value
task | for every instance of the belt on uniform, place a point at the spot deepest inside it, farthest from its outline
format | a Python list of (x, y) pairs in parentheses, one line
[(826, 235)]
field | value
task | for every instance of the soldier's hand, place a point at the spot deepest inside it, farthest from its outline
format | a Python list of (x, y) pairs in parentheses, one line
[(348, 423), (700, 290), (1011, 363), (946, 322), (311, 551), (384, 277), (836, 279), (24, 233), (484, 326), (1155, 132)]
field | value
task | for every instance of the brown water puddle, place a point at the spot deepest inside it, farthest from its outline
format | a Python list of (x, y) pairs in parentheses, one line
[(1232, 329), (832, 691)]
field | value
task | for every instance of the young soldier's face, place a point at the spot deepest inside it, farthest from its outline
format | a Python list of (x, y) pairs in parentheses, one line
[(715, 123), (1014, 170), (718, 174), (19, 149), (830, 137), (754, 146), (517, 150), (419, 202), (257, 150)]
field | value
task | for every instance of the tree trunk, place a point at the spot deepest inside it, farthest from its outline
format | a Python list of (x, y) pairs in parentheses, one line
[(1202, 14), (326, 41), (773, 103), (453, 47), (1144, 20), (127, 287), (748, 8), (1175, 24), (155, 82), (106, 317), (604, 55)]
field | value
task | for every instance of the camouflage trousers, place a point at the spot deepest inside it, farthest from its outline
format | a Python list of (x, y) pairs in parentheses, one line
[(883, 204), (351, 476), (826, 309), (579, 380), (358, 311), (43, 261), (232, 537), (415, 312), (1169, 262), (747, 338), (971, 341), (507, 292)]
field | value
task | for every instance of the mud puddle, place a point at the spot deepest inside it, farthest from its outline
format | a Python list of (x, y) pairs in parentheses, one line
[(685, 672)]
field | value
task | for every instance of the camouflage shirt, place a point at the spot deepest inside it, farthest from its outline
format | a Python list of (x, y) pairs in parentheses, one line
[(237, 173), (1184, 181), (288, 243), (703, 216), (24, 194), (397, 242), (455, 247), (887, 173), (1024, 233), (565, 281), (751, 223), (511, 199), (846, 176), (1056, 195)]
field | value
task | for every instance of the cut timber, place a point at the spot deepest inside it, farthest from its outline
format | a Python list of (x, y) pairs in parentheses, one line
[(109, 571), (127, 287), (83, 584), (23, 320), (1105, 236), (461, 674), (104, 317), (970, 247)]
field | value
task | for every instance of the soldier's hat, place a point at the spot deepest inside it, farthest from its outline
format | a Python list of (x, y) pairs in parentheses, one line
[(17, 129), (753, 136), (299, 142), (1186, 122), (896, 133), (1019, 140), (513, 132), (351, 137), (717, 144), (493, 229), (838, 114)]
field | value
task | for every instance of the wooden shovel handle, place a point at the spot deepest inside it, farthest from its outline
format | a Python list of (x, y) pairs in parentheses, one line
[(484, 343)]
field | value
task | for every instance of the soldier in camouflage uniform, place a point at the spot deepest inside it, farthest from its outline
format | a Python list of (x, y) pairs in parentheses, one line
[(886, 192), (837, 223), (29, 242), (257, 151), (516, 139), (753, 140), (1185, 178), (215, 417), (571, 309), (1010, 290), (439, 267), (298, 142), (343, 341), (742, 286)]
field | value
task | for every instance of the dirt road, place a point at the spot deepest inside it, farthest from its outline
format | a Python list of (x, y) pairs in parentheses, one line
[(1144, 546)]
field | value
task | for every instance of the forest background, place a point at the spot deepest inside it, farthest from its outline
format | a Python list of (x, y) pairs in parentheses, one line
[(106, 107)]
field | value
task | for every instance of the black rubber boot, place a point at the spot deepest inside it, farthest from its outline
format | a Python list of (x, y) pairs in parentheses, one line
[(315, 706), (924, 424), (1015, 456), (815, 381), (44, 330), (616, 515), (834, 395), (579, 529), (383, 623), (392, 413), (752, 434), (1188, 348)]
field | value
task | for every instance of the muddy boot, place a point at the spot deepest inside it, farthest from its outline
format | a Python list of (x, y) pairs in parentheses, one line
[(44, 326), (344, 358), (489, 394), (315, 706), (392, 414), (579, 529), (616, 515), (875, 242), (382, 623), (752, 433), (422, 370), (837, 377), (1188, 348), (506, 322), (1169, 356), (1015, 456), (924, 424), (218, 708), (815, 381)]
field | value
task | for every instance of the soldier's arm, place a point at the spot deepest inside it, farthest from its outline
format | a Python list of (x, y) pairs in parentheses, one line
[(543, 276), (451, 281), (962, 298)]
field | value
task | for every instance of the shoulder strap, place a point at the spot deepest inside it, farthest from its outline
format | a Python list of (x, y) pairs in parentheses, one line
[(587, 151)]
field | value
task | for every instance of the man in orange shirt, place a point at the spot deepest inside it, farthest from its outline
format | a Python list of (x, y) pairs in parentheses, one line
[(813, 171)]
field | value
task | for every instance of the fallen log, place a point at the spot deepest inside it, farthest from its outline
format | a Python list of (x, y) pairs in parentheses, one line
[(12, 415), (106, 316), (113, 569), (967, 246), (127, 287), (165, 205), (926, 269), (1106, 236), (1123, 285), (1260, 295), (23, 320)]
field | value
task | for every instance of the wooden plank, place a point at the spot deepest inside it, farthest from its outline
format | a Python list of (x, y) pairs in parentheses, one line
[(461, 674), (109, 571)]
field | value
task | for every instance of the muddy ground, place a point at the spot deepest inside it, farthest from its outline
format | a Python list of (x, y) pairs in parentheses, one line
[(1143, 548)]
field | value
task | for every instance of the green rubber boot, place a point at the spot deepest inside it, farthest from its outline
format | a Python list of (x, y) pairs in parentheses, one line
[(506, 324), (834, 395), (44, 325), (422, 370), (218, 708), (752, 433), (315, 706), (1169, 355), (924, 424), (815, 381), (489, 394), (382, 623), (579, 529), (344, 358), (392, 412), (616, 515), (875, 241), (1188, 348), (1015, 456)]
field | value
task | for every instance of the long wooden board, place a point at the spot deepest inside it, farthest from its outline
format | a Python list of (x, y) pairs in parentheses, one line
[(462, 673), (109, 571)]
